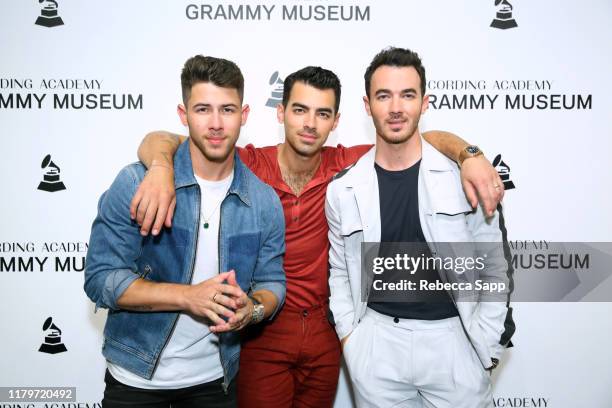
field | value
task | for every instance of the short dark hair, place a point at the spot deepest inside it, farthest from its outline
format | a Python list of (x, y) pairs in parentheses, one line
[(218, 71), (317, 77), (395, 57)]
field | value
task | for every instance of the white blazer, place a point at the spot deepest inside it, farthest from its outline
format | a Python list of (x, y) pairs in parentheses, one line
[(353, 212)]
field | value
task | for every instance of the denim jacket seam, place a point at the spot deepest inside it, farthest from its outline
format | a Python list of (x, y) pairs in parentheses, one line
[(118, 344)]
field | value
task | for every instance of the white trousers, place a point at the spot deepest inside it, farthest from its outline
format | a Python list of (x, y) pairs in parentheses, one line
[(415, 363)]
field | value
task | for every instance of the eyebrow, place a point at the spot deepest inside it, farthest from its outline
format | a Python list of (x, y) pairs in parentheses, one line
[(300, 105), (208, 105), (403, 91)]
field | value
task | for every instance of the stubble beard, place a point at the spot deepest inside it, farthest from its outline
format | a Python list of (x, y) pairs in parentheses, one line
[(216, 156), (304, 151), (395, 138)]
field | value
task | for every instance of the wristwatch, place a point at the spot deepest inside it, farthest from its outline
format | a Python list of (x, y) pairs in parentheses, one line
[(258, 311), (467, 152)]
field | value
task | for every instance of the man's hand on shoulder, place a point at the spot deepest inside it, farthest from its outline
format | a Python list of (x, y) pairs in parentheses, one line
[(481, 182), (153, 204)]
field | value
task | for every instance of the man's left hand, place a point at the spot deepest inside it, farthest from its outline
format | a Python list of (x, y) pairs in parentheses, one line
[(242, 317)]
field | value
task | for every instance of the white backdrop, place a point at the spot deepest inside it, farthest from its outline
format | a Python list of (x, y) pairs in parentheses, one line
[(558, 156)]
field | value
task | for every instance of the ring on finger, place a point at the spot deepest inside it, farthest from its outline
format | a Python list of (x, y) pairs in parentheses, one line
[(214, 296)]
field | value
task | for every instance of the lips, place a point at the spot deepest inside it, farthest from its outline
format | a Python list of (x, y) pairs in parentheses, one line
[(396, 124), (308, 137), (215, 140)]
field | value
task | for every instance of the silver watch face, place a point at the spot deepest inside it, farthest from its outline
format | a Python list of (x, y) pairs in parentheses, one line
[(472, 149), (258, 313)]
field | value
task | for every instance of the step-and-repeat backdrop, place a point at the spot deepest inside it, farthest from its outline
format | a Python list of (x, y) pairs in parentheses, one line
[(82, 82)]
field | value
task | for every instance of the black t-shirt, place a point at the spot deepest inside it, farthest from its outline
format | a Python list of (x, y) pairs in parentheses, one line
[(399, 216)]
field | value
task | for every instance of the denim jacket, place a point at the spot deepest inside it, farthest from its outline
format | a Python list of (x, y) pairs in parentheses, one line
[(251, 241)]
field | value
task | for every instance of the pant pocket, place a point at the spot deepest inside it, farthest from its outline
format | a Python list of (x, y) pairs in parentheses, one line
[(360, 352), (472, 381)]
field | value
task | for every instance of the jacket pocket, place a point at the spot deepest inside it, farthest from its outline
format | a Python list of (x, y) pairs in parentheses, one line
[(351, 231), (451, 220), (243, 251)]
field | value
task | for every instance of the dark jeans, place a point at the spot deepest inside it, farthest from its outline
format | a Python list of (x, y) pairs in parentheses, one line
[(207, 395)]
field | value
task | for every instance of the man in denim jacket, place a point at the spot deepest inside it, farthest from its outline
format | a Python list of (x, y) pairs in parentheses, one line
[(177, 300)]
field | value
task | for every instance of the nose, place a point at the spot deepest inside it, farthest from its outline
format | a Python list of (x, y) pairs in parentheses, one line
[(216, 121), (395, 105), (309, 120)]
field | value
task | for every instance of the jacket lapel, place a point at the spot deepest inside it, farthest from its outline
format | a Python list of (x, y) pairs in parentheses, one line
[(364, 185)]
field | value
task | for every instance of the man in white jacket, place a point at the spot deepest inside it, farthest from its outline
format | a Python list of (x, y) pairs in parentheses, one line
[(435, 345)]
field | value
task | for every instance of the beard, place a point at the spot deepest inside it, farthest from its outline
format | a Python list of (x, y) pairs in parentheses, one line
[(391, 137), (215, 154), (305, 149)]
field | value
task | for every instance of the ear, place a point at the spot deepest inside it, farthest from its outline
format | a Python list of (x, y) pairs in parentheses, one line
[(182, 112), (425, 104), (280, 113), (366, 103), (245, 114), (336, 121)]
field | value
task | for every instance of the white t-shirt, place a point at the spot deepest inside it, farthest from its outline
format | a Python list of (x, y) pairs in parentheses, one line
[(191, 356)]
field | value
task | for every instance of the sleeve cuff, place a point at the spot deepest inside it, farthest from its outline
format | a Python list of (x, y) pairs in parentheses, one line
[(344, 328), (115, 284), (496, 351), (278, 288)]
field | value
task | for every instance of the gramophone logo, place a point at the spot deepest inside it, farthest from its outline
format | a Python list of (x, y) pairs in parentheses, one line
[(53, 338), (503, 19), (48, 14), (504, 172), (51, 179), (276, 95)]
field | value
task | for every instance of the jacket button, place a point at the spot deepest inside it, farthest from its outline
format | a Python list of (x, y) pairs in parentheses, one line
[(395, 320)]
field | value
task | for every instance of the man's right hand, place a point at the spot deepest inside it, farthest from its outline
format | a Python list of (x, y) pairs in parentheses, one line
[(213, 298), (153, 204), (154, 201)]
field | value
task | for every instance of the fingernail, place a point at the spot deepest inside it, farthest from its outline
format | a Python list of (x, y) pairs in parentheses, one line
[(155, 231)]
